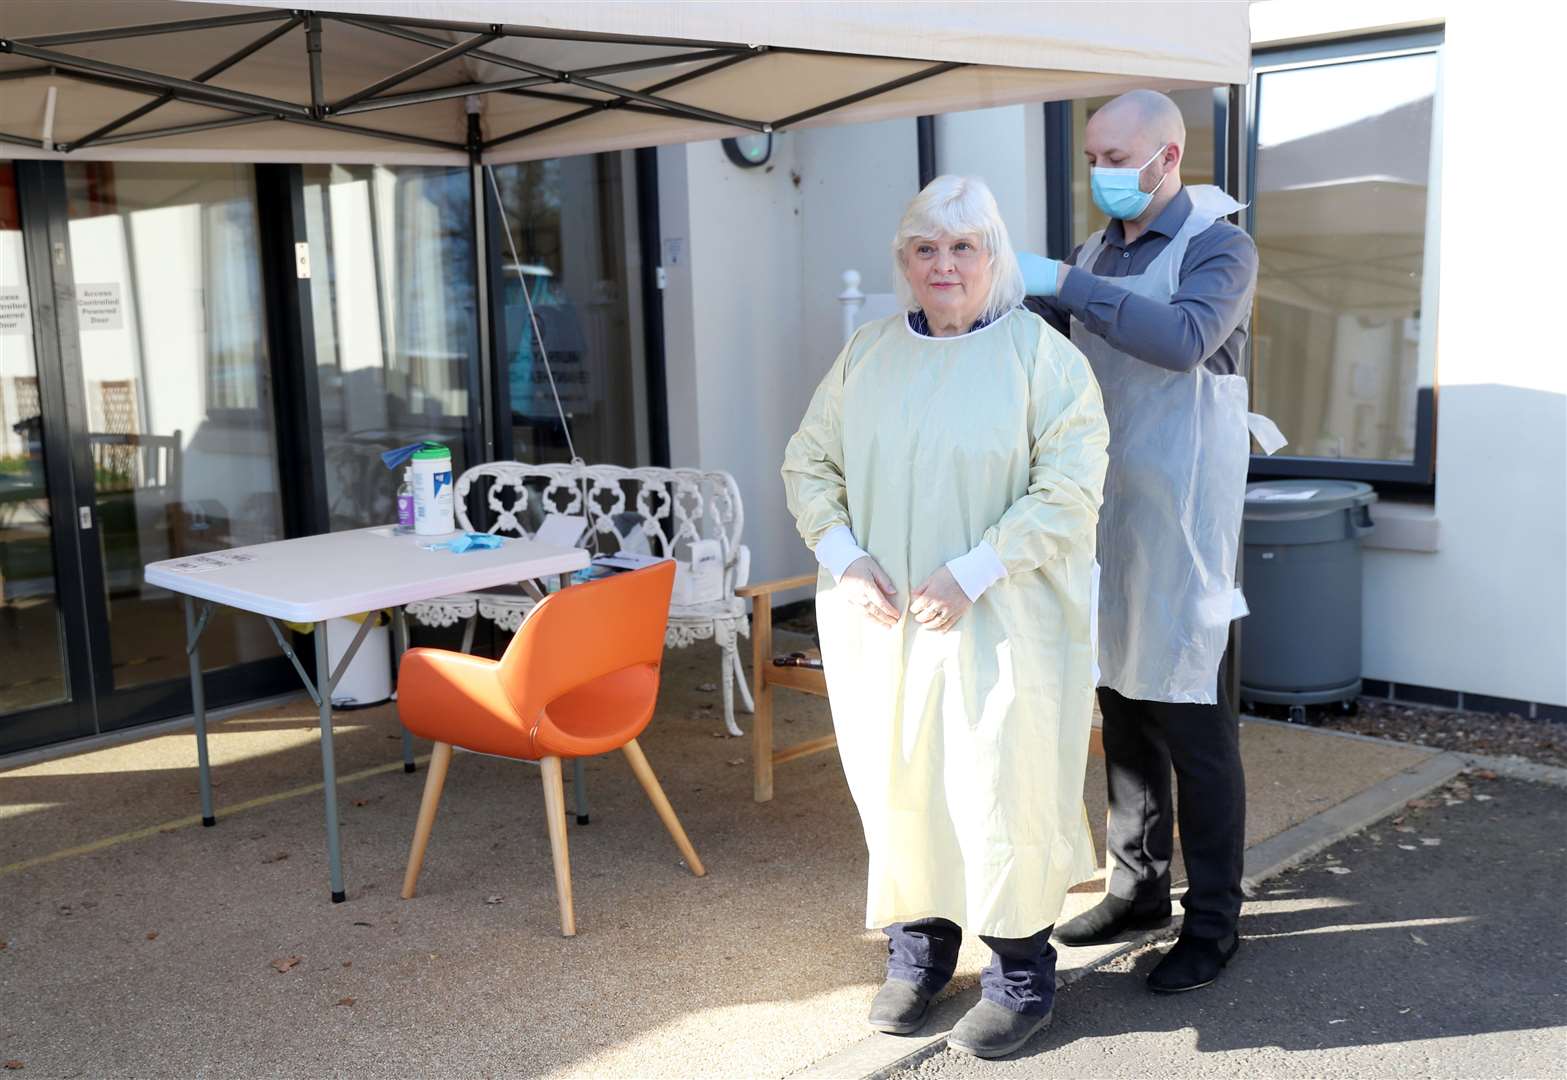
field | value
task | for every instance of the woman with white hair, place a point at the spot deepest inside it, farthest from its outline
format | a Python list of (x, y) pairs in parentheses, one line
[(948, 475)]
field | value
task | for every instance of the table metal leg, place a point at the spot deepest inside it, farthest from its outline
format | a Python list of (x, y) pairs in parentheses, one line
[(400, 646), (579, 790), (198, 703), (328, 767)]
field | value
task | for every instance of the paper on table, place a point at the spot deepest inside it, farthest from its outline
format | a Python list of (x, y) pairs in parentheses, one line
[(628, 560), (216, 560), (561, 530), (1266, 494)]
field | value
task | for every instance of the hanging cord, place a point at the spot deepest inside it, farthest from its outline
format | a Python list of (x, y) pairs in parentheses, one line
[(538, 335)]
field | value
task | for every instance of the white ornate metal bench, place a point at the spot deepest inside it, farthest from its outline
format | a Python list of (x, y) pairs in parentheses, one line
[(665, 512)]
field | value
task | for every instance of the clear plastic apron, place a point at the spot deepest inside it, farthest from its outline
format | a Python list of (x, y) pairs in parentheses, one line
[(1170, 527)]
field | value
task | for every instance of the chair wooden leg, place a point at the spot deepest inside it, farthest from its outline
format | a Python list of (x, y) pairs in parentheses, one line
[(434, 780), (762, 726), (660, 802), (555, 813)]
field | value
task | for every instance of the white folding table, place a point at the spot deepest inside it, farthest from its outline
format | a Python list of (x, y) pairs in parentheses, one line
[(316, 578)]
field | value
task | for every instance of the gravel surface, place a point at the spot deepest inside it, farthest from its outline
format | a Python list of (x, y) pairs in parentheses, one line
[(1495, 734)]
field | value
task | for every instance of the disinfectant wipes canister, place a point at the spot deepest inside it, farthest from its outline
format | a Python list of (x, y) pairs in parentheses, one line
[(432, 475)]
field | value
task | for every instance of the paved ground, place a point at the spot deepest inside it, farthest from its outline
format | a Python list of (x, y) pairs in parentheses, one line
[(145, 945), (1434, 944)]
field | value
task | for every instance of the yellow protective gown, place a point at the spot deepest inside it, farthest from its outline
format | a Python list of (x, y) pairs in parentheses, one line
[(964, 751)]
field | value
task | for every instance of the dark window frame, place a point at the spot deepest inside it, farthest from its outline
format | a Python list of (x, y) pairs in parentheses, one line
[(1416, 477)]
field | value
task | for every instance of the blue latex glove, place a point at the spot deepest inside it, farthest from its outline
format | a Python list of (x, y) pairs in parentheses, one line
[(467, 542), (1039, 273), (394, 458)]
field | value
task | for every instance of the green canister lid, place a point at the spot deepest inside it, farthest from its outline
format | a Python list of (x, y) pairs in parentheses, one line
[(431, 451)]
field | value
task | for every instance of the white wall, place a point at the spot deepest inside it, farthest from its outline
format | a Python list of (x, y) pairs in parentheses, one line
[(732, 255), (1487, 612)]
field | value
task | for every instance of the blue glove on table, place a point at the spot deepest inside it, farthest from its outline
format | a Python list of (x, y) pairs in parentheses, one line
[(467, 542), (1039, 273)]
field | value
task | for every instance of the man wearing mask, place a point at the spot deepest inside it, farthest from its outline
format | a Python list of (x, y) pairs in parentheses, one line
[(1159, 302)]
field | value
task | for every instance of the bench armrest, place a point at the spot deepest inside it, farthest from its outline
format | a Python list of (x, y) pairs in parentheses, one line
[(767, 588)]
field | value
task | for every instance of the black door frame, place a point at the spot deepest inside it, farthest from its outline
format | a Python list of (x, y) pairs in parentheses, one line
[(39, 187), (94, 705)]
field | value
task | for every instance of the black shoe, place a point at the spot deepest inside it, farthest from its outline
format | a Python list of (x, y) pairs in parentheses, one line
[(1110, 918), (989, 1030), (1193, 963), (899, 1008)]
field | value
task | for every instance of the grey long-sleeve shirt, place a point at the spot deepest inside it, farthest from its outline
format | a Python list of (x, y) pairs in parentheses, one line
[(1201, 323)]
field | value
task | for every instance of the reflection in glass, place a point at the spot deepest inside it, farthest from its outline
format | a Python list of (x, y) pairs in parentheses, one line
[(32, 663), (568, 223), (392, 295), (1340, 350), (179, 411)]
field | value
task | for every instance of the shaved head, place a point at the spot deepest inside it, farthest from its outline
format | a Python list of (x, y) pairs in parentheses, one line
[(1145, 118)]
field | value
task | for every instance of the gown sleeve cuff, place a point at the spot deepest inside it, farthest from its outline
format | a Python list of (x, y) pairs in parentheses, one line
[(978, 570), (838, 550)]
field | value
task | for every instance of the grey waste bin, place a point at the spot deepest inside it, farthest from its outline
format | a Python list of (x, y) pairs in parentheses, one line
[(1301, 644)]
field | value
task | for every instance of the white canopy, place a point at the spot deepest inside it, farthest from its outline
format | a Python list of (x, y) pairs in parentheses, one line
[(394, 80)]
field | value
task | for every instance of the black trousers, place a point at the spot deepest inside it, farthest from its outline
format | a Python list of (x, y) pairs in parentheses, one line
[(1143, 741)]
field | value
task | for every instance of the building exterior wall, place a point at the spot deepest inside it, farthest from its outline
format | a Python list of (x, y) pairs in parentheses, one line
[(1484, 614)]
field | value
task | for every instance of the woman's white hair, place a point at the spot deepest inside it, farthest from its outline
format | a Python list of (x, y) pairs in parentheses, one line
[(953, 206)]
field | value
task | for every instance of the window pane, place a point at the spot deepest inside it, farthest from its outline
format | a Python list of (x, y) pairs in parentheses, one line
[(567, 219), (175, 370), (31, 633), (392, 295), (1197, 168), (1342, 166)]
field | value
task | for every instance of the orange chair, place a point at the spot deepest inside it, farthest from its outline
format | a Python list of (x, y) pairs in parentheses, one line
[(580, 678)]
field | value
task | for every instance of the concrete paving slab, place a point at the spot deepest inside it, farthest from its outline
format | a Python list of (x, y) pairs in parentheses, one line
[(1390, 953), (143, 944)]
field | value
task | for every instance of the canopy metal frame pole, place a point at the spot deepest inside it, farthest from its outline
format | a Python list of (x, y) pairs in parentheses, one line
[(543, 34), (401, 28), (874, 91), (439, 93), (167, 96), (184, 87), (252, 108), (445, 56), (592, 107), (176, 26)]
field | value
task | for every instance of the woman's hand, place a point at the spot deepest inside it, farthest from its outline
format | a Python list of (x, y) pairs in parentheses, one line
[(940, 602), (867, 586)]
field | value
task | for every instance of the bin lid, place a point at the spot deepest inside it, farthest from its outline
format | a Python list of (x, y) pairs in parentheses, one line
[(1276, 499)]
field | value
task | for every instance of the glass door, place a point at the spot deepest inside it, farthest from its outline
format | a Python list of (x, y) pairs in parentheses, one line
[(564, 251), (158, 425)]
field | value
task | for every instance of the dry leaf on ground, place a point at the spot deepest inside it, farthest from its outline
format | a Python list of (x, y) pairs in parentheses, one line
[(345, 1001), (283, 964)]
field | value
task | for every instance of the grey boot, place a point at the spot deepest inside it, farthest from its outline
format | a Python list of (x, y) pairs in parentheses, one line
[(899, 1007), (989, 1030)]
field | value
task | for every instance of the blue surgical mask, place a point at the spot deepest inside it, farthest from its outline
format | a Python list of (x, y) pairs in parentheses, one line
[(1118, 193)]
